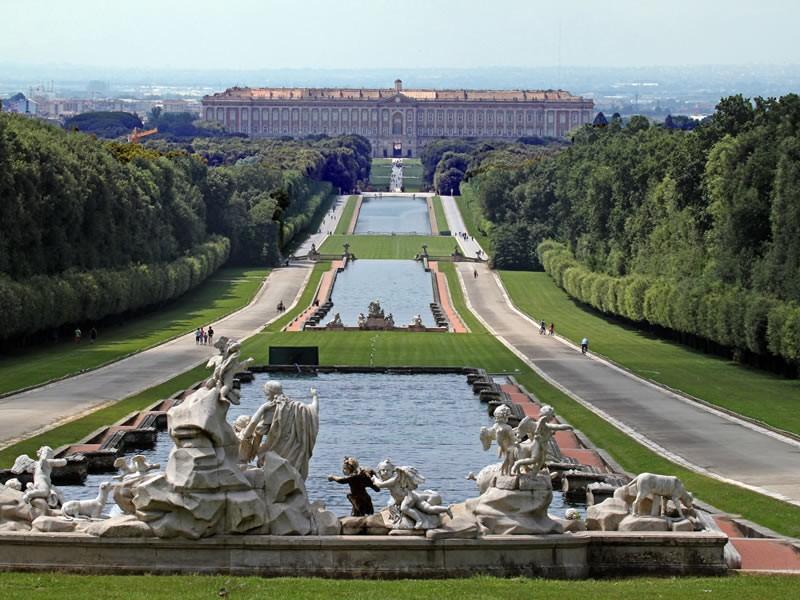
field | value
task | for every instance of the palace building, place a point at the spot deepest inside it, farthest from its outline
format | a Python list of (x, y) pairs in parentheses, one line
[(396, 121)]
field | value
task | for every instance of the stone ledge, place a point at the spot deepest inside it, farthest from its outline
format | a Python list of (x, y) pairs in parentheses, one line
[(566, 556)]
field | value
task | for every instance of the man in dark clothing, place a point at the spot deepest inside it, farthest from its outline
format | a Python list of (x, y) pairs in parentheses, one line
[(359, 480)]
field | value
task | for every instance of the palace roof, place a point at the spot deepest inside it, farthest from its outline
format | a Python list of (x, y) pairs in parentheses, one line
[(375, 94)]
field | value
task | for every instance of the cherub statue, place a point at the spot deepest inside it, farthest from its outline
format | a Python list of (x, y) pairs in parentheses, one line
[(533, 459), (503, 434), (359, 480), (411, 509), (135, 468), (41, 469)]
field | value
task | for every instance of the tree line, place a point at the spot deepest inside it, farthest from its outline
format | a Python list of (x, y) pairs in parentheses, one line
[(74, 205), (698, 228)]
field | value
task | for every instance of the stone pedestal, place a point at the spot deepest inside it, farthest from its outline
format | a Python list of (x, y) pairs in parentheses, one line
[(515, 505)]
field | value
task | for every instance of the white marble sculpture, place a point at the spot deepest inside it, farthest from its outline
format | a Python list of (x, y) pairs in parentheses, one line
[(41, 468), (375, 310), (88, 509), (336, 321), (502, 433), (362, 320), (531, 457), (136, 466), (410, 508), (658, 489), (389, 321), (416, 321), (226, 364)]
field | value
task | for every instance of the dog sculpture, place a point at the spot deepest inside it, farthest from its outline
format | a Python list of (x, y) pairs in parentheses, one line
[(659, 489)]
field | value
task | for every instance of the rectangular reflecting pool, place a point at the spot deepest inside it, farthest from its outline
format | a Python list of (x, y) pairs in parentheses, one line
[(403, 288), (393, 214), (428, 421)]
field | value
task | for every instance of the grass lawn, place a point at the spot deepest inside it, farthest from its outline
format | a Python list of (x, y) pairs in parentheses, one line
[(27, 586), (441, 218), (756, 394), (224, 292), (389, 246), (412, 175), (470, 209), (347, 215), (379, 174)]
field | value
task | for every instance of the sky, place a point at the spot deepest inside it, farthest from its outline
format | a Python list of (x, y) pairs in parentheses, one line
[(353, 34)]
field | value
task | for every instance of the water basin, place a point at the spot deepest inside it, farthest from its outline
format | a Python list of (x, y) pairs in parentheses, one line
[(394, 214), (429, 421), (403, 288)]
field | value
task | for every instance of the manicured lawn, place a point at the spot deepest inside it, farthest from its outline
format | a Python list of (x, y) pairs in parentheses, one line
[(389, 246), (756, 394), (28, 586), (412, 175), (468, 204), (347, 215), (379, 174), (223, 293), (441, 218)]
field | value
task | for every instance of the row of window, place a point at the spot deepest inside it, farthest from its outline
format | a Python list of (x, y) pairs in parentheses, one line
[(367, 116), (429, 130)]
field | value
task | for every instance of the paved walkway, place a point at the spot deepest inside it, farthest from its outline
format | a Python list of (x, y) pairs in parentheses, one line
[(27, 413), (682, 430), (326, 228), (456, 224)]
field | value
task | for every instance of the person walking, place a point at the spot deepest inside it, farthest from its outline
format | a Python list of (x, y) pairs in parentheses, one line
[(93, 335), (78, 334), (542, 328), (197, 336), (210, 334), (474, 273), (552, 328), (584, 345)]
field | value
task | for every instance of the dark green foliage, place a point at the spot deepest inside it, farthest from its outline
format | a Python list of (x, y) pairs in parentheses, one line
[(698, 229), (104, 124), (48, 301)]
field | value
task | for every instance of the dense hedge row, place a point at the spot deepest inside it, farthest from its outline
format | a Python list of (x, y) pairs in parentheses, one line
[(731, 316), (49, 301)]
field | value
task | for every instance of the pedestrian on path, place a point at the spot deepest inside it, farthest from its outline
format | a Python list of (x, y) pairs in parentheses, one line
[(78, 335), (552, 328), (197, 336), (542, 328), (210, 334), (93, 335), (474, 273), (584, 345)]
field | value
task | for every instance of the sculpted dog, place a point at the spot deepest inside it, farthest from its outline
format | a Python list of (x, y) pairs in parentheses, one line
[(659, 489)]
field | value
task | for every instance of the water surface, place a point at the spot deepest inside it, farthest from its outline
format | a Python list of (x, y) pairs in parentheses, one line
[(394, 214)]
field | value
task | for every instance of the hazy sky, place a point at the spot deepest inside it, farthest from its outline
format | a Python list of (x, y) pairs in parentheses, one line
[(253, 34)]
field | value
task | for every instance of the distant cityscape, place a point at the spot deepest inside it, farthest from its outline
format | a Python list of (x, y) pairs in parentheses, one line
[(59, 93)]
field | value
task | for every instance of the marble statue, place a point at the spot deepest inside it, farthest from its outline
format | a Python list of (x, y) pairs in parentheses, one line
[(41, 468), (137, 466), (13, 484), (88, 509), (389, 321), (285, 427), (502, 433), (336, 321), (541, 432), (416, 321), (658, 489), (226, 364), (375, 310), (359, 480), (410, 508), (362, 320)]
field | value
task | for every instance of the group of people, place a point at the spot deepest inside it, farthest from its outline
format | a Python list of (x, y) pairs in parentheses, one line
[(544, 330), (204, 336), (78, 335)]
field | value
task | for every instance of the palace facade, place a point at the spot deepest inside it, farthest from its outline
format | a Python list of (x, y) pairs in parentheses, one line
[(396, 121)]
